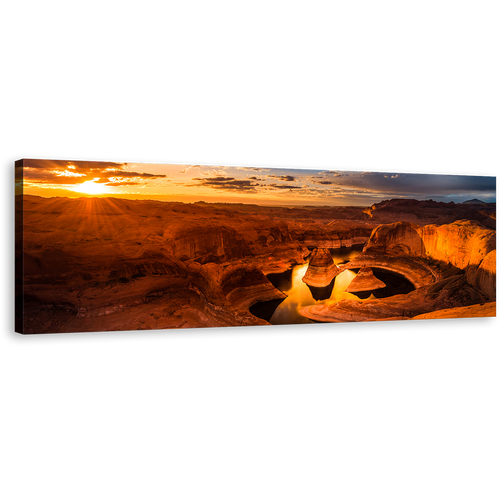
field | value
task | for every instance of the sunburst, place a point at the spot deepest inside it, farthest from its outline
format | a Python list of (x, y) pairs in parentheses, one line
[(91, 187)]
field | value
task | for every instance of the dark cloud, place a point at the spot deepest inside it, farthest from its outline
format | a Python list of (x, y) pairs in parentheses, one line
[(143, 175), (213, 179), (122, 183), (227, 183), (324, 182), (284, 186), (60, 165), (402, 185), (424, 185), (51, 178), (253, 178), (286, 178), (333, 173)]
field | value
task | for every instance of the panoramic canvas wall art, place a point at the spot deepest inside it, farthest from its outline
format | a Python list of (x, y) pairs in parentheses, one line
[(106, 246)]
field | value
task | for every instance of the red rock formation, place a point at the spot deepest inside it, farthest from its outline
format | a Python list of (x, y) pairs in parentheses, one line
[(450, 293), (321, 269), (484, 310), (364, 281), (462, 244), (460, 258)]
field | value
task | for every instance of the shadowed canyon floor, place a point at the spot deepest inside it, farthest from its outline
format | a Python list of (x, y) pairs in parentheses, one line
[(97, 264)]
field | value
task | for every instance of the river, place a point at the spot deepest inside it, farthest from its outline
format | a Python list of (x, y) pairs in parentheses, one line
[(299, 294)]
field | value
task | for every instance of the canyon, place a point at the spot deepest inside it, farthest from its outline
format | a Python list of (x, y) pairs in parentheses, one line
[(101, 264), (451, 266)]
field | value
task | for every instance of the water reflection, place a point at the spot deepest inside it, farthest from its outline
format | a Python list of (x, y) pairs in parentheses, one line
[(265, 310), (345, 254), (286, 311), (301, 295), (322, 292)]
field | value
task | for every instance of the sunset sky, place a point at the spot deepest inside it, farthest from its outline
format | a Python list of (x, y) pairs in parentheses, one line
[(266, 186)]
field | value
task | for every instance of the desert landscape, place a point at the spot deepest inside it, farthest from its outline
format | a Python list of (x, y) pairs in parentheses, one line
[(95, 261), (112, 246)]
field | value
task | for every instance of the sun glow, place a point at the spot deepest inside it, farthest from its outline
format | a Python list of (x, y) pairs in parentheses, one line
[(91, 187)]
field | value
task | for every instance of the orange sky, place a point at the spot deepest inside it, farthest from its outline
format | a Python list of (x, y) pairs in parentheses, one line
[(266, 186)]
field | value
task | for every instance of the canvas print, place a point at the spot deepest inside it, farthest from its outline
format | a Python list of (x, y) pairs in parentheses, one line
[(105, 246)]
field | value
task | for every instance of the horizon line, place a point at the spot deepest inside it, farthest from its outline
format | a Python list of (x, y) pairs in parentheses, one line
[(242, 203)]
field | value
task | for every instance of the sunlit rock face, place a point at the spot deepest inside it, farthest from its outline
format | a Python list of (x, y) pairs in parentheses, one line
[(399, 238), (321, 269), (486, 310), (483, 276), (462, 244), (365, 281)]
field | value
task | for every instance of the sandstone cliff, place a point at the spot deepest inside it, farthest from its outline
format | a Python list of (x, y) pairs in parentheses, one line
[(463, 244)]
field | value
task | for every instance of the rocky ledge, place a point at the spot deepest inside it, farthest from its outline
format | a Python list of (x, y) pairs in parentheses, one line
[(321, 269), (364, 281), (450, 293), (485, 310)]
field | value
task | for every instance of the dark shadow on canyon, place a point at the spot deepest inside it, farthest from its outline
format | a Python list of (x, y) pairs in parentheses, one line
[(265, 310), (323, 292), (395, 284), (400, 240), (282, 281)]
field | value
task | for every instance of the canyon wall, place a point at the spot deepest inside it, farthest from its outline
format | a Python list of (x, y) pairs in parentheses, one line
[(453, 266), (463, 244)]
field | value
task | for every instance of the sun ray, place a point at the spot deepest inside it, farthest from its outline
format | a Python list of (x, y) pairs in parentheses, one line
[(91, 187)]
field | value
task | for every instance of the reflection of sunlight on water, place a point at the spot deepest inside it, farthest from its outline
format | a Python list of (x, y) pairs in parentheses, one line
[(342, 281), (344, 255), (298, 273), (299, 294)]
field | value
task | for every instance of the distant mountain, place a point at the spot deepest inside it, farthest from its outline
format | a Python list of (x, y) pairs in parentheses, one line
[(475, 201)]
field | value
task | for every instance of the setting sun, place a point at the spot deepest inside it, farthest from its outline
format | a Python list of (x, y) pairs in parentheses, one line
[(91, 187)]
